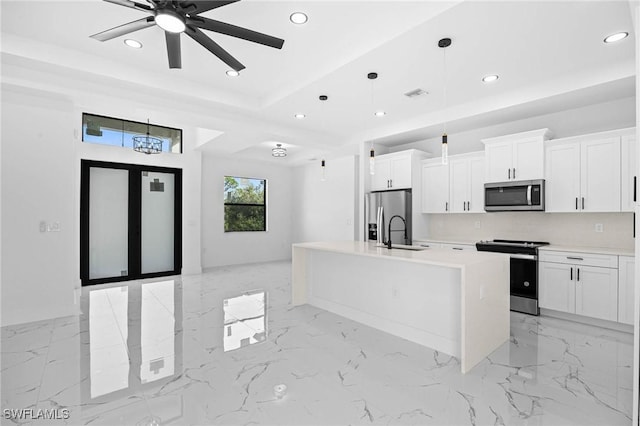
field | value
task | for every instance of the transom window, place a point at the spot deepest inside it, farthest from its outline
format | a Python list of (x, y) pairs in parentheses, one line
[(118, 132), (245, 204)]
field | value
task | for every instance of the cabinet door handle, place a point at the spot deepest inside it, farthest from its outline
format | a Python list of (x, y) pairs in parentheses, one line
[(390, 183), (635, 187), (571, 275), (576, 203), (575, 258), (457, 248), (578, 274), (582, 203), (514, 172), (446, 206), (509, 173)]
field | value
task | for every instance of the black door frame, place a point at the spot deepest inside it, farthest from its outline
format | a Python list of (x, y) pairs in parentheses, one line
[(134, 270)]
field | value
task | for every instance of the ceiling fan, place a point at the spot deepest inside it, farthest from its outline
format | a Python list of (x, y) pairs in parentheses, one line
[(181, 16)]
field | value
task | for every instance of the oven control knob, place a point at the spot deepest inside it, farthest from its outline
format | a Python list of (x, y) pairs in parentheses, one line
[(526, 283)]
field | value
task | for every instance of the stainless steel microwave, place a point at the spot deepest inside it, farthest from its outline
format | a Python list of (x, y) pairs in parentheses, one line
[(514, 196)]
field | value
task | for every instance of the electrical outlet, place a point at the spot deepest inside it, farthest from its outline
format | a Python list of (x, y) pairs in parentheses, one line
[(599, 227), (43, 226)]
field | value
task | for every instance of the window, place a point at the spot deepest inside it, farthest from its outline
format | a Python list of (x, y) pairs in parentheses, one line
[(245, 206), (117, 132)]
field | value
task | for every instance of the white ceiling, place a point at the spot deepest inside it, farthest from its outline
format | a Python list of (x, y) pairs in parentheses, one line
[(549, 55)]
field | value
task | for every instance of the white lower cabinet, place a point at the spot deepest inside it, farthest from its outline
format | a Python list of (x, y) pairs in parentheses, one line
[(568, 284), (626, 289)]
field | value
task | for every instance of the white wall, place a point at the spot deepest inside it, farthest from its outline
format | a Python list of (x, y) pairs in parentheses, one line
[(228, 248), (325, 210), (39, 270), (41, 153)]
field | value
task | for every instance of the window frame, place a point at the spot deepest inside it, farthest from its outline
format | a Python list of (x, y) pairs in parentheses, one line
[(264, 205), (129, 121)]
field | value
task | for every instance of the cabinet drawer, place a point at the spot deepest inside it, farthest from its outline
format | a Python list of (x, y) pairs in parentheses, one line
[(574, 258)]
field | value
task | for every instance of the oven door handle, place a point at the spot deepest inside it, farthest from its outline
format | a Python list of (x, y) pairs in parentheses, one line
[(524, 256), (529, 194)]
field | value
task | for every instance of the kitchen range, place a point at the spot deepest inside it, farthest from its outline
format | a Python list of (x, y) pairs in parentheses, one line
[(523, 271)]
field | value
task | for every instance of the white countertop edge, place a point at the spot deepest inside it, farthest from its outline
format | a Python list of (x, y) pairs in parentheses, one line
[(593, 250), (430, 256), (435, 240)]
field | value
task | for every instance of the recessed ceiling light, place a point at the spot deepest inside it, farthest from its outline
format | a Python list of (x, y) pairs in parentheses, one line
[(380, 113), (489, 78), (616, 37), (133, 43), (299, 116), (233, 73), (298, 18)]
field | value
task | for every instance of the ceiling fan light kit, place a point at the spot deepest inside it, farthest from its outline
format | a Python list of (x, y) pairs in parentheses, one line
[(176, 18), (170, 21)]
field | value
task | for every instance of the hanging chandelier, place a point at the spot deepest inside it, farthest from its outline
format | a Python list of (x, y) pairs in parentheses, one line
[(279, 151), (147, 144)]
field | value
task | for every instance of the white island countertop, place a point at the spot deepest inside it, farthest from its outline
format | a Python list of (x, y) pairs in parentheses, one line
[(453, 301), (430, 256)]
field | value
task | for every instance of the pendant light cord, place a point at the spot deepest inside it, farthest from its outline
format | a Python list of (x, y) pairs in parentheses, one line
[(444, 92)]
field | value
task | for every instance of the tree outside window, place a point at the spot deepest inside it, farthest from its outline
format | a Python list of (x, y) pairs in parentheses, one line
[(245, 206)]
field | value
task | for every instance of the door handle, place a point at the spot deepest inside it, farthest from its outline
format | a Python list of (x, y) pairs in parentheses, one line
[(578, 274), (635, 187), (514, 172), (582, 203), (390, 183), (446, 206), (576, 203), (571, 275), (574, 258), (509, 173)]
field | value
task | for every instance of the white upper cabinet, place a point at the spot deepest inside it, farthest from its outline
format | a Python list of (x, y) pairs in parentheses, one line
[(629, 181), (435, 186), (466, 178), (583, 174), (515, 157), (394, 171)]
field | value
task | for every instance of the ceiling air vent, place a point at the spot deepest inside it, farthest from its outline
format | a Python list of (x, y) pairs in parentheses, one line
[(415, 93)]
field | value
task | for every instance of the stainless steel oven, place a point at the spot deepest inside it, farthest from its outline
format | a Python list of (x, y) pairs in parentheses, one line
[(523, 272)]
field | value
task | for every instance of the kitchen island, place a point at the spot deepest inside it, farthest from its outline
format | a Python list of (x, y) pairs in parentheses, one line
[(456, 302)]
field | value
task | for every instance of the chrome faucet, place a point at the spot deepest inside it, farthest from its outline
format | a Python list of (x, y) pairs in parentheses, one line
[(389, 233)]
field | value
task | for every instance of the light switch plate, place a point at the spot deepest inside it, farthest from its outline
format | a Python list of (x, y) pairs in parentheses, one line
[(599, 227)]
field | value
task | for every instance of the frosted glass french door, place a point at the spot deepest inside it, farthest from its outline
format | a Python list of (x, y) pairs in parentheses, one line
[(157, 218), (109, 223), (130, 222)]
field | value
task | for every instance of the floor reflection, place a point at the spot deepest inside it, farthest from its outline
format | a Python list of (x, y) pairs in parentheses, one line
[(245, 322), (134, 341)]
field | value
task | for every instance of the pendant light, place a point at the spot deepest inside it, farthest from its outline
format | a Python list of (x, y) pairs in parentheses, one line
[(372, 155), (147, 144), (323, 99), (443, 44)]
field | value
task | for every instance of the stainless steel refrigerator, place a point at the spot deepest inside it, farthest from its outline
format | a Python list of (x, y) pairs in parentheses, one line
[(380, 207)]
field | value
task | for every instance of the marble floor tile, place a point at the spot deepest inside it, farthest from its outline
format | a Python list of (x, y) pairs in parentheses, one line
[(210, 348)]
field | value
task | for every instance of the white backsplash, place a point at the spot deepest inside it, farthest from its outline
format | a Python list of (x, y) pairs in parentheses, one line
[(571, 229)]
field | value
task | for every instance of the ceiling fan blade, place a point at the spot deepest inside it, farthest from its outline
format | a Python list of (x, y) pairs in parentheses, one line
[(131, 4), (173, 49), (214, 48), (194, 7), (125, 29), (235, 31)]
